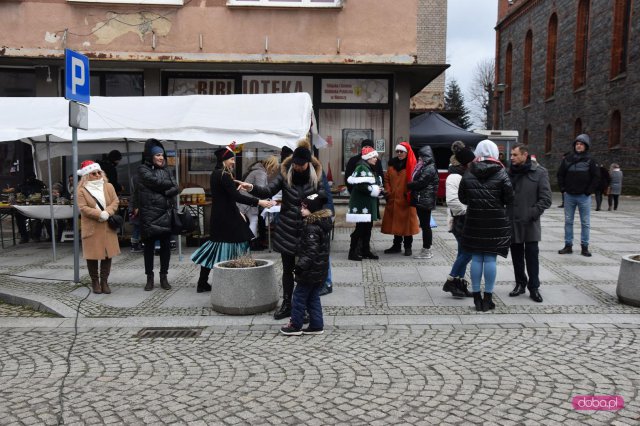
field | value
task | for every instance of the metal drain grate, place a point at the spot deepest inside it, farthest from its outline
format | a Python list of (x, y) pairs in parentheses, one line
[(168, 332)]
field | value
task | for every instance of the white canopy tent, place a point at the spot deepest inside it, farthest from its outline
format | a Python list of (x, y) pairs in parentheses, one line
[(194, 121), (124, 123)]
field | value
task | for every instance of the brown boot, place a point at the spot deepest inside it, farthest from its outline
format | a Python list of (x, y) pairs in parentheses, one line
[(164, 283), (149, 285), (105, 269), (92, 266)]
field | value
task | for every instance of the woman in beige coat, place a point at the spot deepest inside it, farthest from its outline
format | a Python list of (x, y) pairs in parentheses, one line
[(99, 241)]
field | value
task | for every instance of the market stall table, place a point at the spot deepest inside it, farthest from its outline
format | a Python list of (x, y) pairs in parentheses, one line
[(44, 211), (6, 211)]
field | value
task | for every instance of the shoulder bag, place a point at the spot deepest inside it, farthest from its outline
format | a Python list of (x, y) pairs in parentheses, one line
[(115, 221)]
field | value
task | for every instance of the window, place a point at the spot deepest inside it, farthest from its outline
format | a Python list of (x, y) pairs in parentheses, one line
[(116, 83), (577, 127), (552, 43), (16, 82), (508, 67), (286, 3), (620, 44), (582, 39), (526, 76), (548, 138), (615, 130)]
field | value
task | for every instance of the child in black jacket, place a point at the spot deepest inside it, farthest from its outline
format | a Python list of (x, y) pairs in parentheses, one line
[(311, 268)]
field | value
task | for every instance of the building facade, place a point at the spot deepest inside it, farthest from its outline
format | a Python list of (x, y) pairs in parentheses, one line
[(566, 67), (360, 60)]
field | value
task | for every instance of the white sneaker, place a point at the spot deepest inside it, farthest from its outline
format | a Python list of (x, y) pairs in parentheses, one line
[(425, 253)]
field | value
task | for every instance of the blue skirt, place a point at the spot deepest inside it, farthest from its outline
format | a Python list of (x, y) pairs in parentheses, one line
[(212, 252)]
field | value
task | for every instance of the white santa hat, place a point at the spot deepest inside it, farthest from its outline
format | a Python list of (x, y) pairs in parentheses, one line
[(87, 167), (401, 148)]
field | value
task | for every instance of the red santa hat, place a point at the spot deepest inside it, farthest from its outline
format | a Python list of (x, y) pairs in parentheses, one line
[(368, 152), (87, 167)]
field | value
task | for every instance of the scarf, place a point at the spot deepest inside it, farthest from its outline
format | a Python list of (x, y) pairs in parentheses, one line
[(96, 188), (300, 178)]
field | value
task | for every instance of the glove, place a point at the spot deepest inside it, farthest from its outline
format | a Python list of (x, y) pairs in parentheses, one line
[(103, 216)]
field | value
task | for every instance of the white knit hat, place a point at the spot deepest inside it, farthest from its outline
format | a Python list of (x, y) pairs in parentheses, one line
[(88, 166), (401, 148)]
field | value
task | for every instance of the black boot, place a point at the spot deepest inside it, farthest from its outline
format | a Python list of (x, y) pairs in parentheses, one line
[(452, 286), (368, 254), (284, 311), (396, 247), (518, 290), (567, 249), (164, 283), (585, 250), (463, 287), (149, 285), (477, 300), (203, 285), (354, 252), (487, 302)]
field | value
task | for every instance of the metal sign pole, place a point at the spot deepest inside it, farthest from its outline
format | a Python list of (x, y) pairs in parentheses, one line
[(76, 239)]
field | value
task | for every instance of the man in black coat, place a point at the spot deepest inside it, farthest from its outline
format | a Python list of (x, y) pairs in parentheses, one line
[(30, 186), (532, 196), (109, 167), (578, 178)]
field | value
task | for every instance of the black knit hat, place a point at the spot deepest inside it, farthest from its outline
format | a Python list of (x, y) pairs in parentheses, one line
[(114, 155), (366, 142), (285, 152), (314, 202), (225, 153), (465, 156), (301, 155)]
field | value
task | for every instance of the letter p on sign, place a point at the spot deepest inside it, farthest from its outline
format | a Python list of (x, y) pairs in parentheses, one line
[(77, 80)]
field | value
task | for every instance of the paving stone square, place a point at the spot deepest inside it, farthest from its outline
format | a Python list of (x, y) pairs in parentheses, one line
[(552, 295), (408, 296)]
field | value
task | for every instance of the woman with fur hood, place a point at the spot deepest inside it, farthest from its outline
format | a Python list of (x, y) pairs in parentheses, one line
[(300, 176)]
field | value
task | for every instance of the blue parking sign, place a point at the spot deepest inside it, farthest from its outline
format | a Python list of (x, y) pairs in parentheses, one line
[(77, 80)]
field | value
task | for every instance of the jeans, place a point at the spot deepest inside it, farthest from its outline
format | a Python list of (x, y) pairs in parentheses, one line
[(459, 268), (307, 297), (288, 263), (526, 253), (328, 282), (425, 223), (165, 253), (135, 233), (583, 203), (483, 264)]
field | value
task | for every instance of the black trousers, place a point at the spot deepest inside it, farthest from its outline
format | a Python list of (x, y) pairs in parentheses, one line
[(288, 263), (165, 253), (424, 216), (613, 198), (362, 234), (526, 253), (408, 240)]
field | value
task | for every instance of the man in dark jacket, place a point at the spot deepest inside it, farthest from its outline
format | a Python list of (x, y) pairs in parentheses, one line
[(109, 167), (578, 178), (353, 161), (532, 196), (300, 176), (30, 186)]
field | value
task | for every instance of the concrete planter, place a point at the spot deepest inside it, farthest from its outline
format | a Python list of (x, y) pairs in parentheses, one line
[(244, 291), (628, 289)]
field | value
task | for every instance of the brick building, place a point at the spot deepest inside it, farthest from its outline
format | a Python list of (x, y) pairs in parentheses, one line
[(360, 60), (566, 67)]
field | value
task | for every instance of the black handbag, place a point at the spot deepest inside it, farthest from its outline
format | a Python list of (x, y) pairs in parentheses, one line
[(181, 221), (115, 221)]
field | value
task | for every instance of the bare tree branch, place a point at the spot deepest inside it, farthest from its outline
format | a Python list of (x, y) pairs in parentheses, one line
[(481, 91)]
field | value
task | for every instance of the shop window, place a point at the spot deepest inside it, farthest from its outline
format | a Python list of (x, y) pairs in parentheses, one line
[(286, 3), (17, 83), (552, 44), (526, 76), (508, 67), (615, 130), (582, 40), (344, 129), (548, 139), (620, 44), (577, 127)]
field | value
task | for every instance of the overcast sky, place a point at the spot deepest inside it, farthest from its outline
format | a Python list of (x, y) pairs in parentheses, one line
[(470, 39)]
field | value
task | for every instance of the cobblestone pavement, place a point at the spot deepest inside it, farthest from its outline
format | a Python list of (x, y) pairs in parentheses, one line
[(361, 376), (397, 350)]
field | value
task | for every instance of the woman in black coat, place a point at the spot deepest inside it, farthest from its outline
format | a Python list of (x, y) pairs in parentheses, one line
[(300, 176), (423, 187), (486, 190), (156, 189), (229, 231)]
